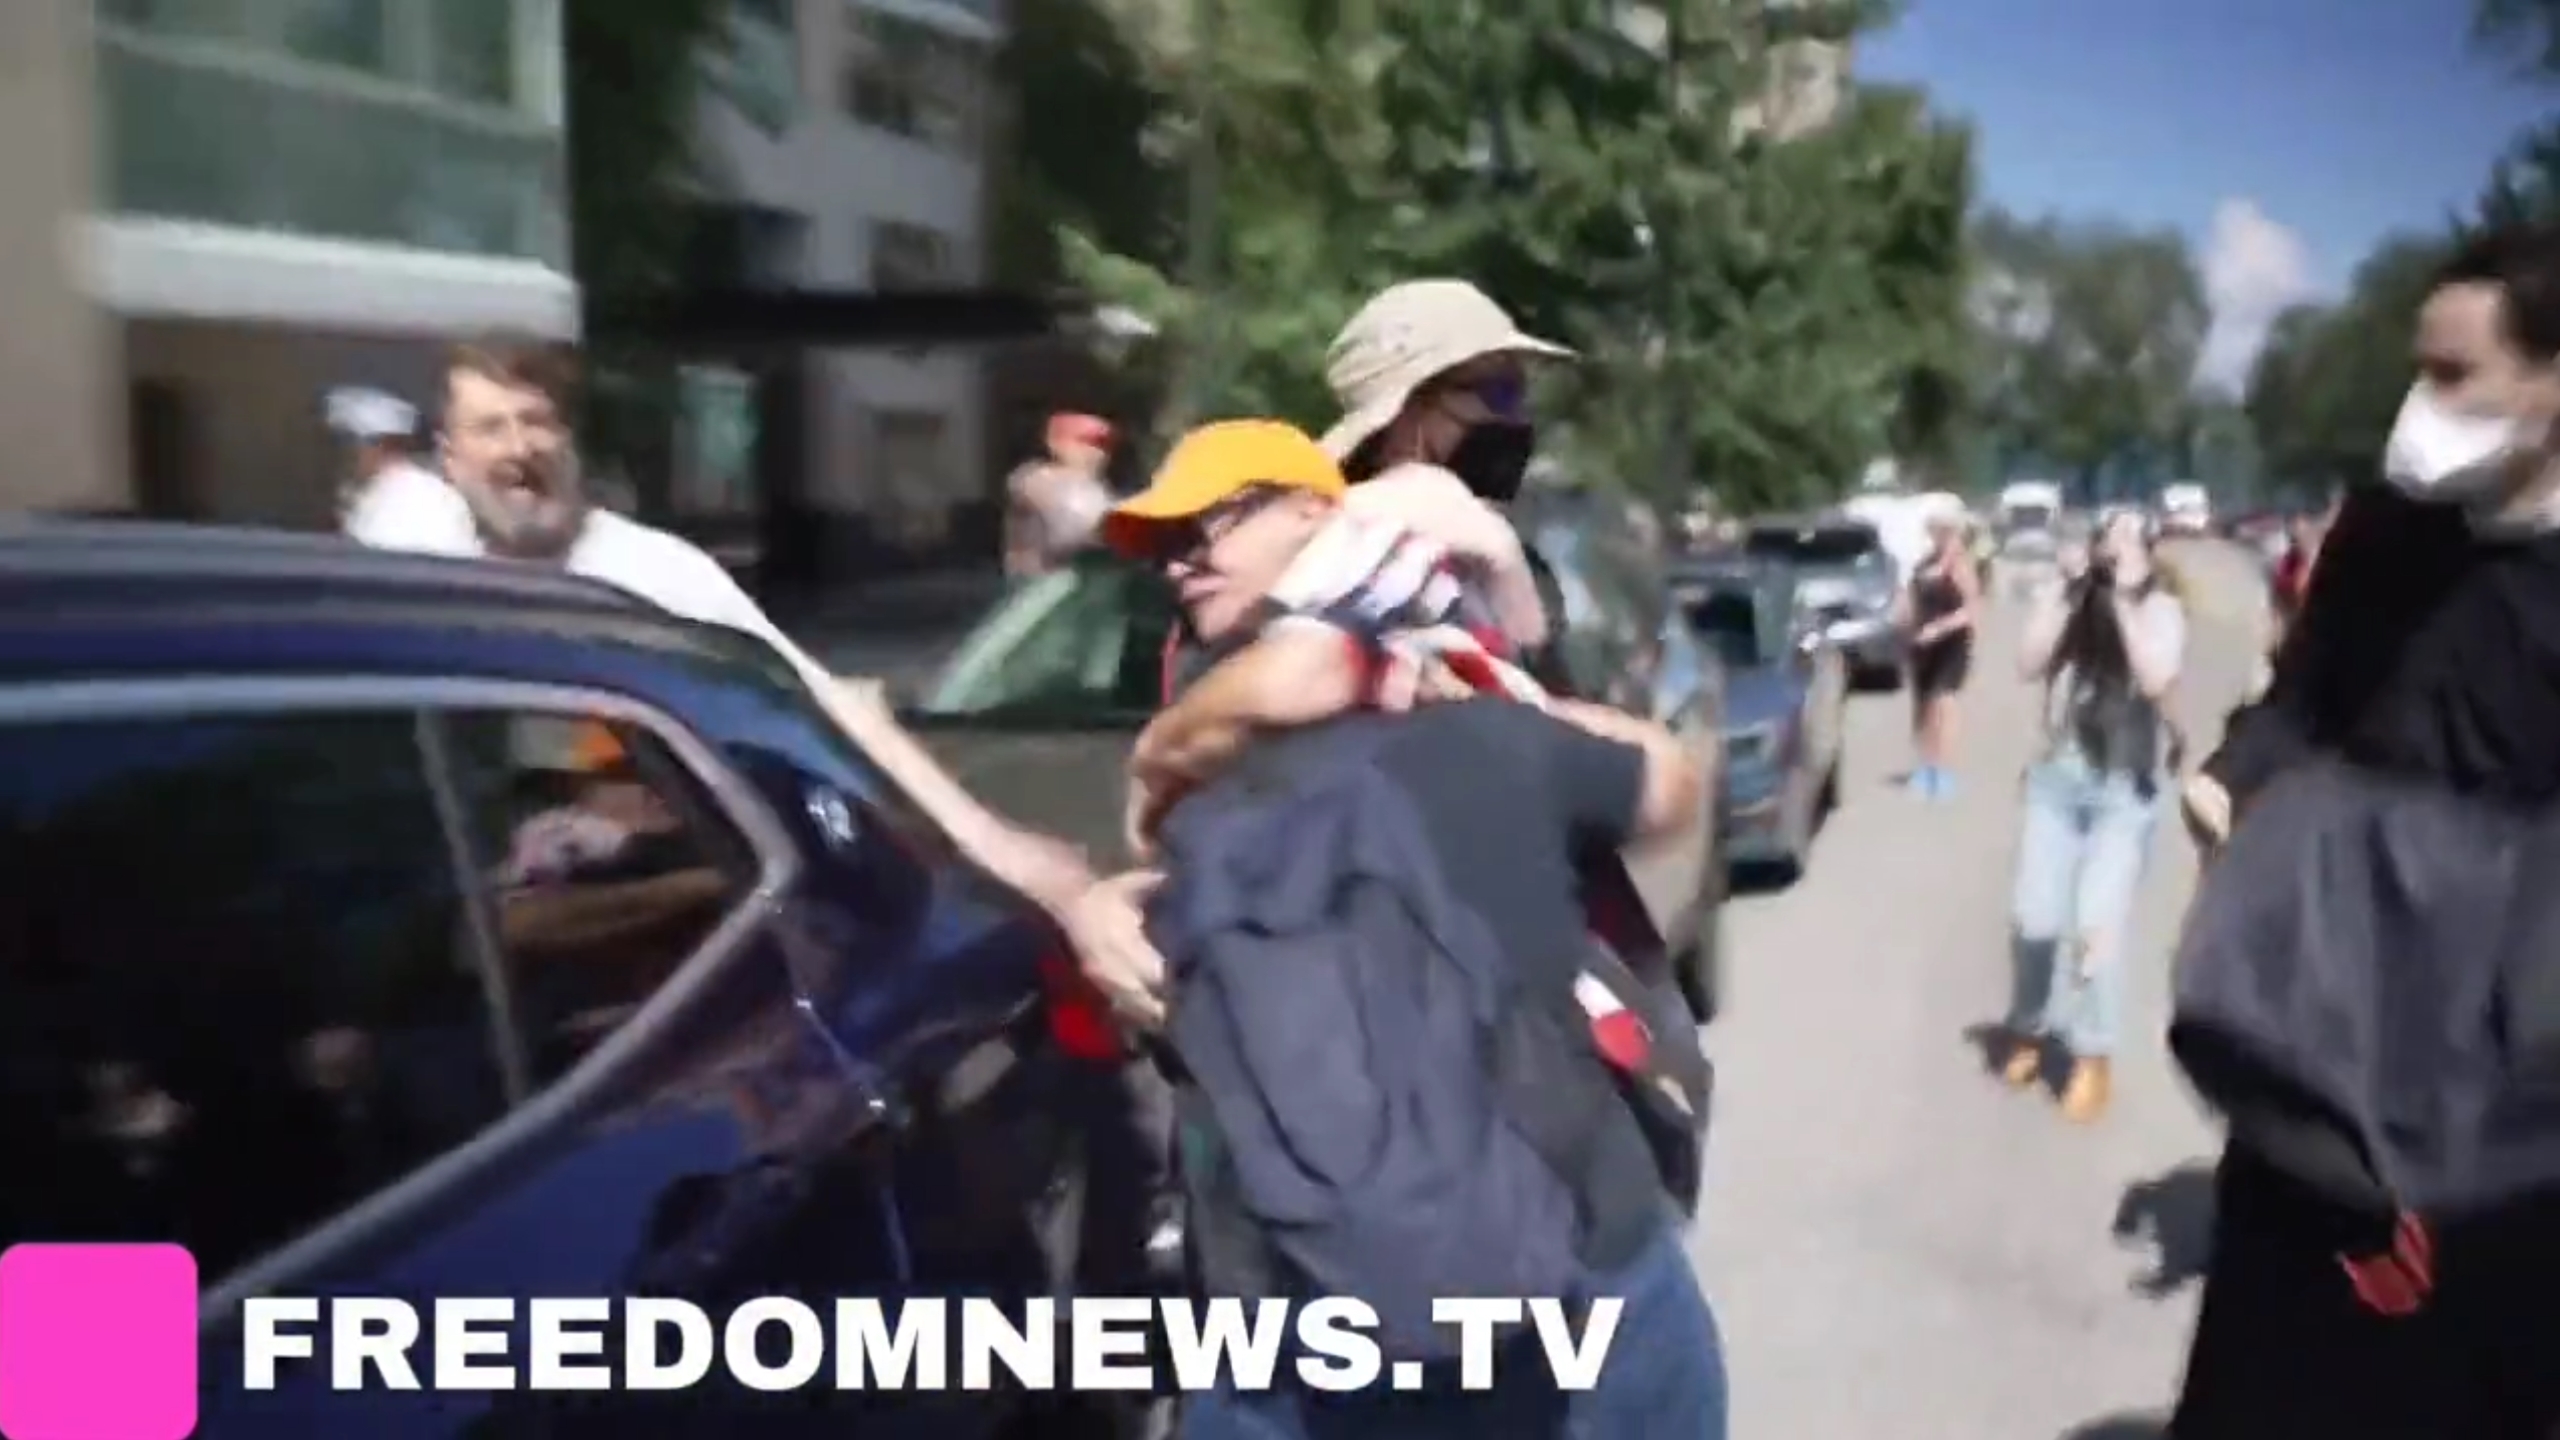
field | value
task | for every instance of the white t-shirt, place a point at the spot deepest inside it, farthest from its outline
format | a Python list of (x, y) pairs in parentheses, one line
[(409, 507), (422, 514)]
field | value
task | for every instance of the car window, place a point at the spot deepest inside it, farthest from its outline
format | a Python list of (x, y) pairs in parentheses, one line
[(605, 863), (237, 985), (1813, 545), (1084, 643), (1735, 623)]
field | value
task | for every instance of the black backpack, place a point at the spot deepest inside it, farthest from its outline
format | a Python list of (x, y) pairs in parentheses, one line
[(1371, 1100)]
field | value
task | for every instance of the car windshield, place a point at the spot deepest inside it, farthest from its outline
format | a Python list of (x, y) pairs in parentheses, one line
[(1082, 645), (1737, 623), (1813, 545)]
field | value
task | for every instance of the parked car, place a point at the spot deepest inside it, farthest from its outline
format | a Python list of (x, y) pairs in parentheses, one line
[(388, 925), (1039, 704), (1785, 710), (1845, 576)]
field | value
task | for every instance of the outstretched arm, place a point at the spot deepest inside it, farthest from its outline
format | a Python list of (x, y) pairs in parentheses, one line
[(1297, 674)]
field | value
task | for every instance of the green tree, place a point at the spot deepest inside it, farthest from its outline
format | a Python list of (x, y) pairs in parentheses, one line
[(2323, 393), (1762, 316), (634, 77), (2093, 332)]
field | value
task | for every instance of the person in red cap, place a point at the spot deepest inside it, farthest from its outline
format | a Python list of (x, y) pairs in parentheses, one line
[(1054, 505)]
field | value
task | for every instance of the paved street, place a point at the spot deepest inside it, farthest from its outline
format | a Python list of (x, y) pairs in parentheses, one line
[(1900, 1248)]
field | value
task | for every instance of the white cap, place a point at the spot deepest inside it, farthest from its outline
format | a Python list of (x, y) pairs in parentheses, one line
[(1406, 335), (360, 413)]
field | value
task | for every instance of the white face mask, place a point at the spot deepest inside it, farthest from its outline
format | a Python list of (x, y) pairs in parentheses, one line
[(2436, 453)]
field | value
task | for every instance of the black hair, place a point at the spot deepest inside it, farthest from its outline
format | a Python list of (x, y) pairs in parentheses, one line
[(2523, 262), (2103, 695)]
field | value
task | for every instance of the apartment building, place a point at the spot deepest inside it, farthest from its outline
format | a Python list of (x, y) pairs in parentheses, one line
[(848, 141), (222, 207)]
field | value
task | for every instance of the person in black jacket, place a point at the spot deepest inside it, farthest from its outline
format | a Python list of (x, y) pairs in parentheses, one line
[(2369, 982)]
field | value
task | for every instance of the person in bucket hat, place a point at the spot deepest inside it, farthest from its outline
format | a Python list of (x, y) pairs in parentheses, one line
[(1432, 371)]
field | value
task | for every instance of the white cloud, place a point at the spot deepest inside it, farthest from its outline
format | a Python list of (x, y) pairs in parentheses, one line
[(2255, 268)]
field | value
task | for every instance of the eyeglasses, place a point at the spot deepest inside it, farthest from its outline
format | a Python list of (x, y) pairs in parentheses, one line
[(1216, 523), (1500, 396)]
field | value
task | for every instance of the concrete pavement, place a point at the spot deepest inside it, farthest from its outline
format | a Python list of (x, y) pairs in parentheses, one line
[(1900, 1248)]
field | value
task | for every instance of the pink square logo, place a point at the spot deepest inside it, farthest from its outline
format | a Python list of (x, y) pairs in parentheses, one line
[(97, 1342)]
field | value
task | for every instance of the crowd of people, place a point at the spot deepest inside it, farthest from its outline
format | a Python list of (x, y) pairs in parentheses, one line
[(2368, 985)]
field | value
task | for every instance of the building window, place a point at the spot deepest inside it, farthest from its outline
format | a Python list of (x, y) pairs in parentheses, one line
[(752, 246), (913, 80), (759, 67), (197, 19), (471, 50), (909, 257), (409, 122), (916, 492), (717, 425), (352, 34)]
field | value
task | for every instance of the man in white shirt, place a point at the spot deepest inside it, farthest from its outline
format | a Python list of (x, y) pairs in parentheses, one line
[(513, 489)]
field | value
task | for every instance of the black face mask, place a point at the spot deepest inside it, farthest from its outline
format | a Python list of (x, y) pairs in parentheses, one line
[(1493, 458)]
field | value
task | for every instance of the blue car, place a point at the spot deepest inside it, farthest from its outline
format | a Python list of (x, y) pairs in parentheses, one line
[(1785, 704), (404, 927)]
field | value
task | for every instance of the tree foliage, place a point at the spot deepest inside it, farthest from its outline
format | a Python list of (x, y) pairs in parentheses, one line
[(2331, 378), (1760, 316), (633, 90), (633, 85), (2323, 393), (2090, 334)]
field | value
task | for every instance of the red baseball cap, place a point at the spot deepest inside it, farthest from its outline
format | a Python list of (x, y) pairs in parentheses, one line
[(1066, 428)]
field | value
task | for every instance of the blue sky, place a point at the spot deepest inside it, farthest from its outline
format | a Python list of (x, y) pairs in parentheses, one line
[(2284, 137)]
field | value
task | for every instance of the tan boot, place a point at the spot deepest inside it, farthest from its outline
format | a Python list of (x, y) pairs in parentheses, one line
[(2025, 1065), (2084, 1097)]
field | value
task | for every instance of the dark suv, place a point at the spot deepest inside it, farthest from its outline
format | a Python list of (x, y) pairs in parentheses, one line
[(410, 927)]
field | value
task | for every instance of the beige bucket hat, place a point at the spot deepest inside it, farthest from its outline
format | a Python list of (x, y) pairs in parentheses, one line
[(1403, 337)]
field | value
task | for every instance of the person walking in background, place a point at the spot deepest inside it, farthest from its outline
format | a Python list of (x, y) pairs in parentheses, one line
[(1937, 609), (1054, 504), (381, 470), (2107, 650)]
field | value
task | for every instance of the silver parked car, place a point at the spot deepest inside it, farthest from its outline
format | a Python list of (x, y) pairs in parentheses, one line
[(1845, 581)]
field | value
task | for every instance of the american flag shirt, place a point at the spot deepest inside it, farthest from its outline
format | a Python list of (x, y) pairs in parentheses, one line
[(1398, 593)]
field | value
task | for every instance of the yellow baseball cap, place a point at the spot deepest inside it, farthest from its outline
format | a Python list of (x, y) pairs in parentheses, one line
[(1213, 464)]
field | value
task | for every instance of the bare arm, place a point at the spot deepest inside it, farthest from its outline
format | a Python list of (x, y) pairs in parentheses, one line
[(1674, 784), (2042, 632), (2155, 642), (1294, 675)]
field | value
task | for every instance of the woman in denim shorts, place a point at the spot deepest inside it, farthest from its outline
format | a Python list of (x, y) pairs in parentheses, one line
[(2107, 650)]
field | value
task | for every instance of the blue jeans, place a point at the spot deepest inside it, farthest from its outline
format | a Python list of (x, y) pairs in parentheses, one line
[(1664, 1380), (2082, 851)]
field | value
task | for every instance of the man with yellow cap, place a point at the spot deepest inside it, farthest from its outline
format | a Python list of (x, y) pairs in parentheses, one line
[(1235, 508)]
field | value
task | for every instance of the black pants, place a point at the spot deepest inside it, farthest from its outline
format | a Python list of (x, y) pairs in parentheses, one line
[(2285, 1347)]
